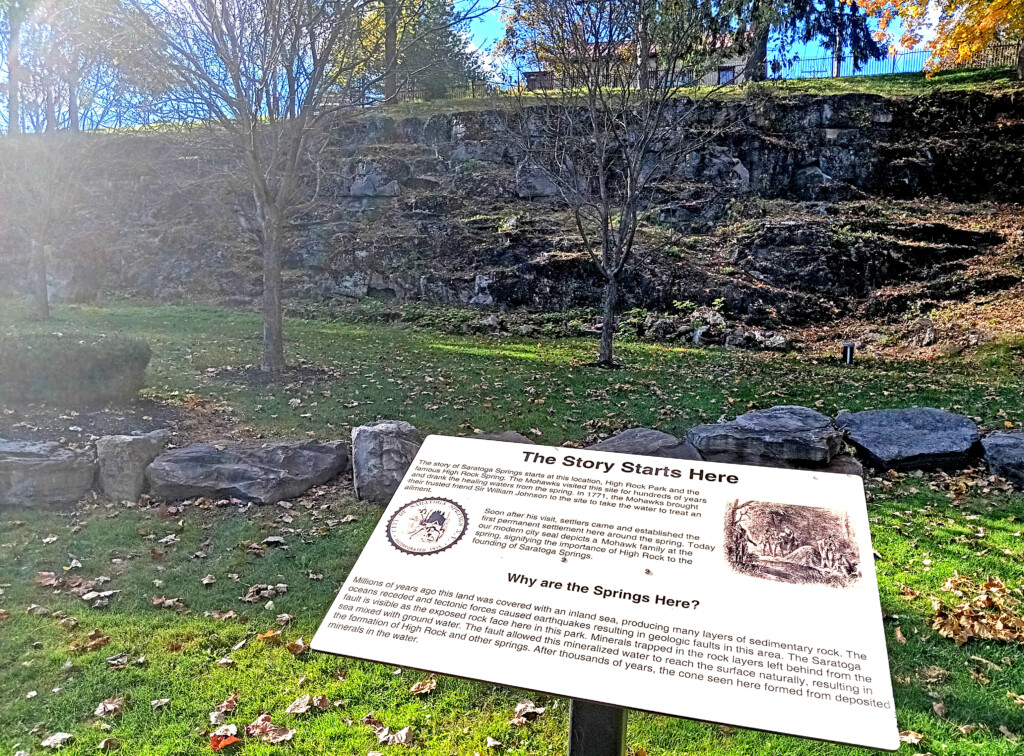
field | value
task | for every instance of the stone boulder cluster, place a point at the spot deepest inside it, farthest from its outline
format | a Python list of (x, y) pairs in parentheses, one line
[(124, 467), (706, 326)]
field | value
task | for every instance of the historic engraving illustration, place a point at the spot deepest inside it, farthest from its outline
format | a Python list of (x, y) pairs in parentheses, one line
[(791, 544)]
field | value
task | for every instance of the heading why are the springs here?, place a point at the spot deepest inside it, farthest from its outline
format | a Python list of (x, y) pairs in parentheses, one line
[(628, 466)]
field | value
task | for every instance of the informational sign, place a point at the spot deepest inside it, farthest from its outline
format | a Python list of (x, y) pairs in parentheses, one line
[(725, 593)]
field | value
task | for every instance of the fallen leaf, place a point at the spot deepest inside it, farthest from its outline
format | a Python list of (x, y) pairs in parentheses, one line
[(321, 703), (297, 647), (967, 729), (939, 708), (46, 579), (1007, 734), (492, 743), (4, 615), (284, 619), (424, 686), (32, 694), (402, 737), (228, 705), (299, 705), (275, 541), (56, 740), (899, 636), (267, 731), (224, 736), (108, 744), (271, 636), (209, 580), (109, 708), (225, 661), (159, 703), (526, 712), (909, 736)]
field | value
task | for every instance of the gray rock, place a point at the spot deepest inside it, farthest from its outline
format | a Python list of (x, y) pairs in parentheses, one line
[(251, 470), (662, 329), (845, 464), (708, 335), (511, 437), (532, 182), (707, 316), (381, 454), (123, 462), (910, 439), (782, 436), (1004, 453), (647, 442), (39, 473)]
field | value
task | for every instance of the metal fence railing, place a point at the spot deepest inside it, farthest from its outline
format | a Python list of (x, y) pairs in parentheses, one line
[(900, 63), (778, 69)]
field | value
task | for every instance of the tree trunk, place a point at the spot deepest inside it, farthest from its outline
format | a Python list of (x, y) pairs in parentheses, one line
[(390, 49), (1020, 62), (14, 74), (51, 108), (608, 322), (42, 296), (74, 117), (757, 63), (837, 50), (273, 331)]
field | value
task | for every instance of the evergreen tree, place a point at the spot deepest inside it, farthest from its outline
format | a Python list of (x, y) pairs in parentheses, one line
[(435, 54)]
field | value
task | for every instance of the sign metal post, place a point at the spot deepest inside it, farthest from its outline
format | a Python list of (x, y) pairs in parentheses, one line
[(596, 729)]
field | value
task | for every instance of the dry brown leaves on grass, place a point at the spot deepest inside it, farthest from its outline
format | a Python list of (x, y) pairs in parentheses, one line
[(424, 686), (525, 713), (384, 734), (988, 611), (267, 731), (109, 708), (94, 640)]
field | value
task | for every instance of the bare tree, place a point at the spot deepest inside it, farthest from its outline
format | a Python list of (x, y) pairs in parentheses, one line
[(631, 78), (261, 76)]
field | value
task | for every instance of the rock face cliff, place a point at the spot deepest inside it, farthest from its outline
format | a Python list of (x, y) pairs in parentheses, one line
[(803, 210)]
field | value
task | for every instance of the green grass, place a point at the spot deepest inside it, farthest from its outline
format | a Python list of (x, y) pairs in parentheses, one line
[(451, 385), (992, 80)]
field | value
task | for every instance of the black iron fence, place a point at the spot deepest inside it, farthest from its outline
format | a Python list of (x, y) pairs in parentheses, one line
[(809, 68), (900, 63)]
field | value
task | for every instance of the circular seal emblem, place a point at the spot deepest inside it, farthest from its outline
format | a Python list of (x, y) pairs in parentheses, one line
[(427, 526)]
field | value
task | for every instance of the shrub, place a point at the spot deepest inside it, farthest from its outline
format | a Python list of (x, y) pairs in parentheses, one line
[(71, 370)]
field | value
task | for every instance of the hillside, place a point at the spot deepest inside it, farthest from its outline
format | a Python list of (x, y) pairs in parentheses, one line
[(825, 216)]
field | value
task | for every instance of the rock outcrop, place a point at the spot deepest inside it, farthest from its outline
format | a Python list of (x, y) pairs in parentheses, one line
[(783, 436), (42, 473), (381, 454), (648, 442), (264, 473), (123, 461), (910, 439), (1004, 453)]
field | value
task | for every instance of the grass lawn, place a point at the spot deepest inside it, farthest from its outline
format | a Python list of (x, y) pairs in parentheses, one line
[(925, 529), (993, 80)]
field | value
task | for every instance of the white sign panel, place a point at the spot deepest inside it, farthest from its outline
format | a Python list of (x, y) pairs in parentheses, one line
[(725, 593)]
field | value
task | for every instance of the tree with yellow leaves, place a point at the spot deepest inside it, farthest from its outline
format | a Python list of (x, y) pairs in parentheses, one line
[(965, 28)]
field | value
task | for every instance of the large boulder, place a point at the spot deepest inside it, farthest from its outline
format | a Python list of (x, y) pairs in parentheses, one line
[(911, 439), (1004, 453), (250, 470), (123, 462), (381, 454), (783, 436), (647, 442), (39, 473)]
